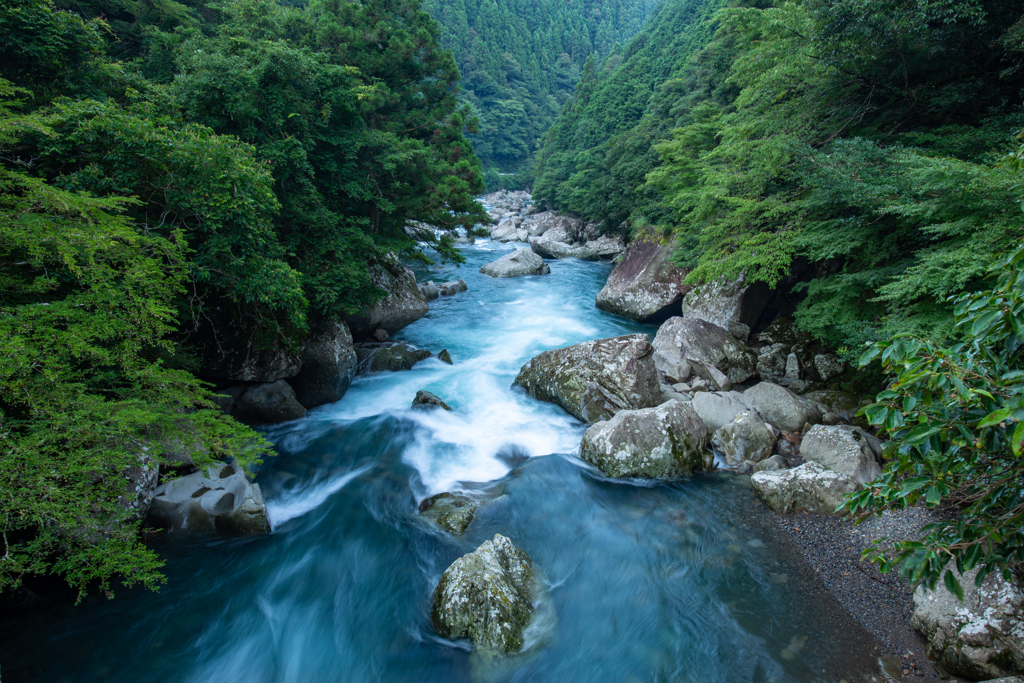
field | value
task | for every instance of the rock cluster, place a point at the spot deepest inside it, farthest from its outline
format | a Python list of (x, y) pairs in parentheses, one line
[(431, 291), (219, 500)]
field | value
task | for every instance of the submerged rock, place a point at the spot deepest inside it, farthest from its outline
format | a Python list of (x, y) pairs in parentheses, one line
[(713, 353), (486, 596), (807, 488), (519, 262), (781, 407), (389, 356), (220, 500), (595, 379), (667, 441), (846, 450), (747, 437), (646, 286), (451, 512), (979, 638), (328, 366), (425, 400)]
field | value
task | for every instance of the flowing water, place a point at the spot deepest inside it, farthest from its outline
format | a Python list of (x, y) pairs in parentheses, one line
[(679, 581)]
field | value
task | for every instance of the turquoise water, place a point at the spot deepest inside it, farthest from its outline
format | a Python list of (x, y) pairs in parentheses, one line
[(681, 581)]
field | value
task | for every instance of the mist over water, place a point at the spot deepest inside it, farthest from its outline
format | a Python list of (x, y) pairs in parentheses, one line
[(680, 581)]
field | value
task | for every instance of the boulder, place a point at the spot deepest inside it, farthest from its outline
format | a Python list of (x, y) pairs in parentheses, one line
[(646, 286), (844, 449), (807, 488), (219, 500), (728, 303), (444, 356), (654, 443), (451, 512), (402, 304), (429, 290), (452, 288), (718, 410), (704, 346), (979, 638), (389, 356), (781, 407), (507, 230), (421, 232), (558, 243), (595, 379), (328, 366), (425, 400), (771, 362), (264, 403), (772, 464), (486, 596), (828, 366), (519, 262), (540, 223), (241, 359), (747, 437)]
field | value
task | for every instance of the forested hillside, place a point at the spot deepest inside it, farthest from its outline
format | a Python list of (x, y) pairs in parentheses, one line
[(521, 59), (182, 184), (856, 141)]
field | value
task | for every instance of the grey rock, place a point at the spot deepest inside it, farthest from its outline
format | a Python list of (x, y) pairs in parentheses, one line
[(487, 596), (451, 512), (425, 400), (828, 366), (559, 242), (728, 303), (402, 305), (771, 362), (142, 484), (507, 230), (676, 372), (219, 500), (328, 366), (429, 290), (698, 384), (595, 379), (747, 437), (452, 288), (266, 403), (979, 638), (807, 488), (781, 407), (444, 356), (540, 223), (389, 356), (519, 262), (704, 345), (654, 443), (792, 367), (771, 464), (843, 449), (421, 232), (717, 410), (242, 359)]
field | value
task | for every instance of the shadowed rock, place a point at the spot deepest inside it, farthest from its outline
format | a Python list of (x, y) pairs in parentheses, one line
[(425, 400), (646, 286), (451, 512)]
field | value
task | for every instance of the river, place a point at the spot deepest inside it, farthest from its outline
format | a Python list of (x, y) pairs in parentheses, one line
[(680, 581)]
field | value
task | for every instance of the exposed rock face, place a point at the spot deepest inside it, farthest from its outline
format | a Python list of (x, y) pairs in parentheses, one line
[(771, 362), (220, 500), (718, 410), (707, 348), (979, 638), (572, 241), (486, 596), (808, 488), (142, 479), (745, 438), (540, 223), (389, 356), (508, 230), (425, 400), (646, 286), (451, 512), (266, 403), (828, 366), (781, 407), (595, 379), (667, 441), (403, 304), (328, 366), (519, 262), (731, 304), (844, 449)]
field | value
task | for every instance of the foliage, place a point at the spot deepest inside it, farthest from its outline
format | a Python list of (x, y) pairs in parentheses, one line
[(956, 418)]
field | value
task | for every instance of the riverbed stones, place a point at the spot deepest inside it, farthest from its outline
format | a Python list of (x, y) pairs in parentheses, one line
[(389, 356), (425, 401), (844, 449), (703, 345), (520, 262), (328, 366), (646, 286), (781, 407), (450, 512), (718, 409), (652, 443), (218, 500), (979, 638), (595, 379), (731, 304), (487, 597), (807, 488), (746, 437)]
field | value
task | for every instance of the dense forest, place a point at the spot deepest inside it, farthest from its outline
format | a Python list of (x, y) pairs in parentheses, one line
[(520, 61)]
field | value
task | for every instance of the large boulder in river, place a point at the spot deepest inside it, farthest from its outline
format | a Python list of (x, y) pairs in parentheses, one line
[(807, 488), (328, 366), (519, 262), (508, 230), (654, 443), (558, 243), (733, 305), (402, 304), (646, 286), (487, 596), (844, 449), (219, 500), (388, 356), (713, 353), (595, 379), (747, 437), (781, 407), (540, 223), (262, 403), (718, 409), (979, 638), (427, 401), (450, 512)]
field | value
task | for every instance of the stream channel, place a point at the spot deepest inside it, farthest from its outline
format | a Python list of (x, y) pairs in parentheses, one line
[(647, 581)]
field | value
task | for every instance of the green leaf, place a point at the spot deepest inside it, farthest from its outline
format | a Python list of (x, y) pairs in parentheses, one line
[(922, 433), (933, 496), (952, 585), (1018, 439), (994, 417)]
